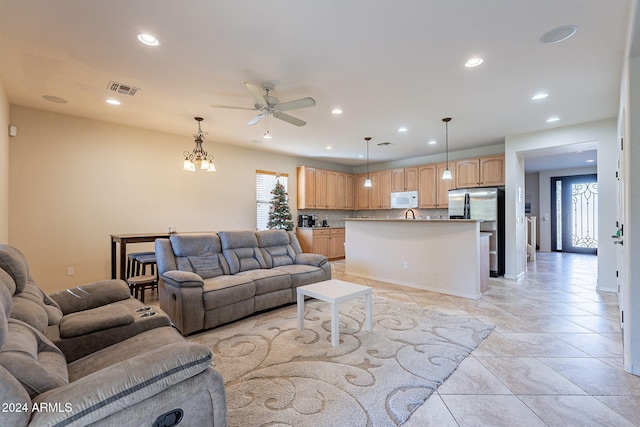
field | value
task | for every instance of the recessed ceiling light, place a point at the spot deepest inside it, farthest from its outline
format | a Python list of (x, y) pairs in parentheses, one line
[(112, 101), (336, 111), (541, 95), (553, 119), (433, 142), (558, 34), (590, 161), (328, 147), (473, 62), (148, 39), (403, 129), (360, 156), (55, 99)]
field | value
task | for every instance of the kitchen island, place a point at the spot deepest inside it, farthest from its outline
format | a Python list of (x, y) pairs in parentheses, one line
[(440, 255)]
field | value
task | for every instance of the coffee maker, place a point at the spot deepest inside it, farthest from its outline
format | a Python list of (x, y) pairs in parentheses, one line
[(303, 220)]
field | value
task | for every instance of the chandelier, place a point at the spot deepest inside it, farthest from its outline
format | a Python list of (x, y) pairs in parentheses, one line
[(198, 158)]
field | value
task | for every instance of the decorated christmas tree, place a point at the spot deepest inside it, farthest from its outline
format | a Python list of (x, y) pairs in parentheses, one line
[(280, 215)]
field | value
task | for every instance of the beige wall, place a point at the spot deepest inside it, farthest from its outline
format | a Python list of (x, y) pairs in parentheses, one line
[(75, 181), (4, 166)]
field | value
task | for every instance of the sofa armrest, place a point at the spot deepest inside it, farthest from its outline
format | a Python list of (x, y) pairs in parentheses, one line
[(315, 260), (182, 279), (119, 386), (91, 295)]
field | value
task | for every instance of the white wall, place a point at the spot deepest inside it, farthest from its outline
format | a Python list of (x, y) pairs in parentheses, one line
[(516, 148), (74, 182), (4, 166)]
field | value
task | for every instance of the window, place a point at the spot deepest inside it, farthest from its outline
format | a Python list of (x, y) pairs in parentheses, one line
[(265, 182)]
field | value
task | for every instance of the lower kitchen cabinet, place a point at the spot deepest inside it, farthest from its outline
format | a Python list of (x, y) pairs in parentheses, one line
[(324, 241)]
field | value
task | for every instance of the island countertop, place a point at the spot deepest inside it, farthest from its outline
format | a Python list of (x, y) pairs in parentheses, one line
[(413, 220)]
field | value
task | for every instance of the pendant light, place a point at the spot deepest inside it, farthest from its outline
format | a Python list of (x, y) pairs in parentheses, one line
[(447, 173), (367, 182)]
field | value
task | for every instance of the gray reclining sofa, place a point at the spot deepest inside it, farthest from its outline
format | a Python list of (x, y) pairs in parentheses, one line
[(93, 355), (209, 279)]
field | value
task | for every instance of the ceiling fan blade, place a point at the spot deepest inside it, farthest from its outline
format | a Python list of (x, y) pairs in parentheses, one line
[(255, 120), (289, 119), (230, 106), (298, 103), (255, 92)]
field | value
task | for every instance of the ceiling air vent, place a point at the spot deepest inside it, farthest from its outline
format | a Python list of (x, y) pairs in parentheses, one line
[(384, 144), (122, 89)]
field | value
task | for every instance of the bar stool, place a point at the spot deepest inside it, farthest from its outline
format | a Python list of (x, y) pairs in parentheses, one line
[(138, 284), (139, 281), (132, 263)]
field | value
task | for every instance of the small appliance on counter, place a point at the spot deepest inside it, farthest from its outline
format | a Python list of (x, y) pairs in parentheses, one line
[(303, 220), (325, 223)]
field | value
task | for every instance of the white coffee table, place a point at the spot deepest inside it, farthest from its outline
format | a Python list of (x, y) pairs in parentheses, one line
[(334, 292)]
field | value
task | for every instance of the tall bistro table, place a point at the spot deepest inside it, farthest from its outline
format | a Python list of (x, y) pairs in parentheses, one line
[(334, 292), (123, 239)]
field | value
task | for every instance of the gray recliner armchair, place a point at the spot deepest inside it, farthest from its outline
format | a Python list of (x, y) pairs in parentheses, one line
[(94, 355)]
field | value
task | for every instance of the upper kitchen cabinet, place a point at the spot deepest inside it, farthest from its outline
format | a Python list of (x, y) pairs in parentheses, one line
[(350, 191), (444, 185), (482, 172), (306, 187), (324, 189), (405, 179), (378, 196), (428, 187)]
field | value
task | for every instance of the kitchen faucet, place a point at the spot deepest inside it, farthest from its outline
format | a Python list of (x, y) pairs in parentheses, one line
[(406, 214)]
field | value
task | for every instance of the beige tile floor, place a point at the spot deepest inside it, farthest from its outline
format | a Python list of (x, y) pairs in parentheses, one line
[(554, 358)]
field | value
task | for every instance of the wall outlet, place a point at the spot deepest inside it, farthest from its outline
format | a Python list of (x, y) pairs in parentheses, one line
[(405, 265), (70, 271)]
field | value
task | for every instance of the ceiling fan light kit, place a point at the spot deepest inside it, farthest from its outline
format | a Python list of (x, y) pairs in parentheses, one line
[(198, 158)]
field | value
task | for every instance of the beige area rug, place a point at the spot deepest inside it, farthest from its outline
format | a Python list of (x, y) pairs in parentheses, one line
[(276, 375)]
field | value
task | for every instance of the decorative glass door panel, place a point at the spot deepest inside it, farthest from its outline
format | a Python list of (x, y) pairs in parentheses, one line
[(575, 220)]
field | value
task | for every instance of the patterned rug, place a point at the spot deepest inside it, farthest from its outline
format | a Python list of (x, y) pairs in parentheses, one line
[(276, 375)]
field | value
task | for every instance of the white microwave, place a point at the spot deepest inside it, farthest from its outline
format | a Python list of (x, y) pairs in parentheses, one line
[(404, 200)]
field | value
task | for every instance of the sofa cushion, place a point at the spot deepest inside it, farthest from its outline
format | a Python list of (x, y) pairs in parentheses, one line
[(199, 253), (267, 280), (32, 359), (240, 249), (96, 319), (33, 292), (31, 312), (302, 274), (226, 290), (276, 248), (13, 262)]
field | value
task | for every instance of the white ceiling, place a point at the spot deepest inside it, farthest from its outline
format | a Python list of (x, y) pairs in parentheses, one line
[(386, 63)]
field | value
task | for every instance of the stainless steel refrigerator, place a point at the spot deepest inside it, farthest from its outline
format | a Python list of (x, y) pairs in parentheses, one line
[(486, 204)]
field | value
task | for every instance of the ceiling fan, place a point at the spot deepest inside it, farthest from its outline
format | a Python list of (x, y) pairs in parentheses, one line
[(268, 105)]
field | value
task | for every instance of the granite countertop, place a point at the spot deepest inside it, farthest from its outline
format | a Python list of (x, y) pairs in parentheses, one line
[(319, 227), (411, 220)]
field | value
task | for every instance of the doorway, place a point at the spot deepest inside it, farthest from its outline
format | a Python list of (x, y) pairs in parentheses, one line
[(574, 218)]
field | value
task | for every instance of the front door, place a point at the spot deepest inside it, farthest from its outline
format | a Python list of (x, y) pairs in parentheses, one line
[(574, 222)]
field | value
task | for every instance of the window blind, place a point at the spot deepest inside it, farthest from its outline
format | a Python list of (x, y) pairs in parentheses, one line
[(265, 182)]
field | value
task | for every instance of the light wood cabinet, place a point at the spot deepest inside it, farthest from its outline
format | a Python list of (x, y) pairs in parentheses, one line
[(492, 170), (428, 187), (336, 243), (350, 191), (378, 196), (331, 190), (324, 189), (405, 179), (480, 172), (444, 185), (384, 190), (324, 241)]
